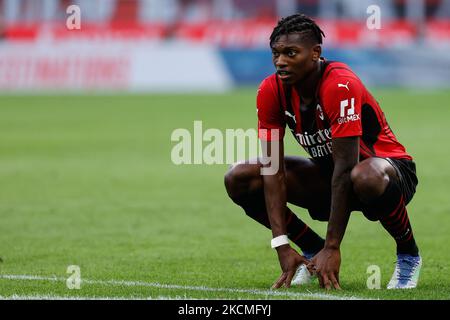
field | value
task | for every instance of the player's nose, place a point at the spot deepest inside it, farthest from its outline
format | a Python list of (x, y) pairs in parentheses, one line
[(280, 63)]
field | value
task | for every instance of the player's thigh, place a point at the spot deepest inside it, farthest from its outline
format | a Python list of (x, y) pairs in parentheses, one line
[(370, 178), (376, 166), (309, 185)]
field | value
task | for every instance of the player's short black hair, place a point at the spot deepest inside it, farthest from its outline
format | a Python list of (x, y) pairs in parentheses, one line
[(298, 23)]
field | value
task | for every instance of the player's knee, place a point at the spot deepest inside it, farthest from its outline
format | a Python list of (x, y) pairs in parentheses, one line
[(234, 179), (368, 183)]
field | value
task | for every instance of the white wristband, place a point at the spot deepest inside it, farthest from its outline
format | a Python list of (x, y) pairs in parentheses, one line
[(279, 241)]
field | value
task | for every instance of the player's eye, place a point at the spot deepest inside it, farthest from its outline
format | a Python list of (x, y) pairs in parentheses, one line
[(291, 53), (275, 54)]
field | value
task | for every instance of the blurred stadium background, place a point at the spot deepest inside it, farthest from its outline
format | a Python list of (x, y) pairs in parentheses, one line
[(211, 45), (86, 118)]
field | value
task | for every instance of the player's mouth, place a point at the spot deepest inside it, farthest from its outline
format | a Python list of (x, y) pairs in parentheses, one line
[(284, 75)]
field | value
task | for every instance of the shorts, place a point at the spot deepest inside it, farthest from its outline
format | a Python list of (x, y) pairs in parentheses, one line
[(407, 177), (407, 181)]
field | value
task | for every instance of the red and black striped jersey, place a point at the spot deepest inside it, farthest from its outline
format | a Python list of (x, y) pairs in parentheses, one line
[(342, 107)]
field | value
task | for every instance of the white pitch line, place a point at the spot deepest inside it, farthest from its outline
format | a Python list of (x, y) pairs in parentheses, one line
[(56, 297), (190, 288)]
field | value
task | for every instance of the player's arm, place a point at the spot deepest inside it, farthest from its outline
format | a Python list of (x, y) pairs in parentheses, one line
[(271, 124), (275, 187), (343, 109), (275, 198), (327, 261), (345, 156)]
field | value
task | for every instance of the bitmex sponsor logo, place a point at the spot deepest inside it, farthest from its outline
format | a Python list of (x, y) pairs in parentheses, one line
[(214, 146), (347, 113), (353, 117)]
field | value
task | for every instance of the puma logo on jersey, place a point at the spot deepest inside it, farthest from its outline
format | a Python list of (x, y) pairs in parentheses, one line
[(340, 85), (290, 115)]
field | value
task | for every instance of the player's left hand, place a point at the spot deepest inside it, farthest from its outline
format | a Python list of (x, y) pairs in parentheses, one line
[(326, 265)]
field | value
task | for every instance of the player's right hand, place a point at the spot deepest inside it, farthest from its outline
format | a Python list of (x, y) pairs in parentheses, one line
[(289, 262)]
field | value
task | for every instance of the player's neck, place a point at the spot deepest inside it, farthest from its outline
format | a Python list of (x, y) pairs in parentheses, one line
[(307, 88)]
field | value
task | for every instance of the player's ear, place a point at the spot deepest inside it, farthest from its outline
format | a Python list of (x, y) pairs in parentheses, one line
[(316, 52)]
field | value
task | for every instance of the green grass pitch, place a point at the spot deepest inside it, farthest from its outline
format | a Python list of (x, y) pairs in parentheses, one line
[(88, 181)]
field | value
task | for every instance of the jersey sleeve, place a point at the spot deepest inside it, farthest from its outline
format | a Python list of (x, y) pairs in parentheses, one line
[(269, 112), (342, 106)]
